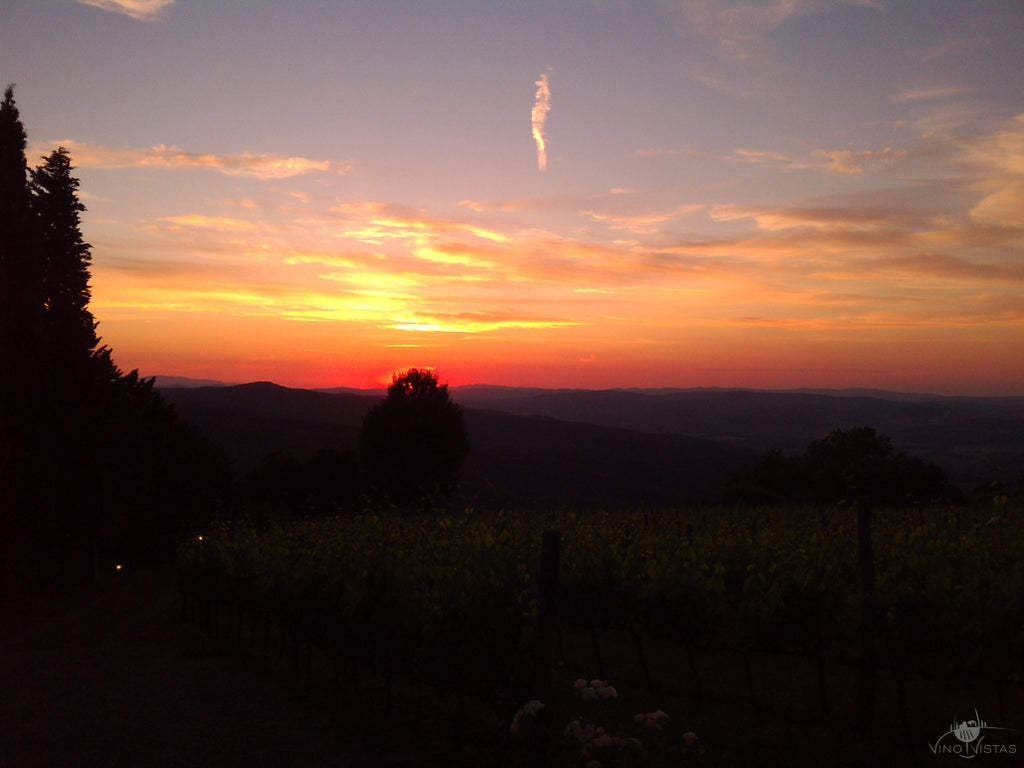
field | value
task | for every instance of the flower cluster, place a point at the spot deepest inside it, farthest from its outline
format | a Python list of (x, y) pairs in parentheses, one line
[(530, 709), (595, 690), (593, 739), (651, 719)]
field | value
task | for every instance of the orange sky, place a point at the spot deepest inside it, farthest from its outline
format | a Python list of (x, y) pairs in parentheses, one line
[(769, 194)]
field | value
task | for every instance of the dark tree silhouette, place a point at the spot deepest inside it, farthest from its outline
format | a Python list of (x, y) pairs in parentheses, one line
[(282, 488), (413, 443), (92, 460), (22, 395), (65, 257), (851, 464), (846, 465)]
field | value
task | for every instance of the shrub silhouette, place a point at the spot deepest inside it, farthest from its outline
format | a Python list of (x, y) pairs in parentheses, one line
[(413, 443), (845, 465)]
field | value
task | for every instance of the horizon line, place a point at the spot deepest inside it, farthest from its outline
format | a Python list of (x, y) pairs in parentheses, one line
[(188, 382)]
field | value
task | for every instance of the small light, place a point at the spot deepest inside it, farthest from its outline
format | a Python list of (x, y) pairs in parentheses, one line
[(118, 567), (200, 538)]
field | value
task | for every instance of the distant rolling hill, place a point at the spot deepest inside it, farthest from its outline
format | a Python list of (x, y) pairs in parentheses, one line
[(514, 459), (974, 439), (251, 421), (620, 446)]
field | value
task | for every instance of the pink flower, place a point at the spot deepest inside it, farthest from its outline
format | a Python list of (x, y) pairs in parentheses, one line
[(530, 709), (603, 740), (533, 707), (651, 719), (690, 738)]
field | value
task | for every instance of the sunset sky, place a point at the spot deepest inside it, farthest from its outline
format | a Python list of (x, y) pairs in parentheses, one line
[(772, 194)]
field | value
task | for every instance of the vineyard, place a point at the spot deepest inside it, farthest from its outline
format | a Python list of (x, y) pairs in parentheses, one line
[(681, 605)]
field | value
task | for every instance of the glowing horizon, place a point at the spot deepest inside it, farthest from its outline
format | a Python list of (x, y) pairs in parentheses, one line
[(773, 195)]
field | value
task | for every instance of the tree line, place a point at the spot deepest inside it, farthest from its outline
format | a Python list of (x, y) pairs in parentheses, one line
[(94, 464), (853, 465)]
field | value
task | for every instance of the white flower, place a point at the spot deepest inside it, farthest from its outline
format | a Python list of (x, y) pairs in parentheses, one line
[(607, 692), (579, 685)]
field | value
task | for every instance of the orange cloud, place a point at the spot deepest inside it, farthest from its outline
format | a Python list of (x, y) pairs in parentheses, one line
[(1000, 160), (141, 10), (934, 93), (641, 223), (263, 167)]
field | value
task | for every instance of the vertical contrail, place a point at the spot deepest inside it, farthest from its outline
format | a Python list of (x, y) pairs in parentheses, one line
[(540, 116)]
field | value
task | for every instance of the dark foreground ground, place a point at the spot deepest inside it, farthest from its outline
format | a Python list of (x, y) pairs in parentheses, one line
[(111, 676)]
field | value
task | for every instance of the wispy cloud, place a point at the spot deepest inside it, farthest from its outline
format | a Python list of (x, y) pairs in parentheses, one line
[(1000, 158), (641, 223), (475, 322), (934, 93), (265, 167), (841, 161), (848, 161), (741, 28), (733, 39), (539, 118), (142, 10)]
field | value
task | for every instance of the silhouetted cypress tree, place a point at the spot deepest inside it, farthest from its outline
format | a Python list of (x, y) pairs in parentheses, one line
[(71, 329), (69, 366), (23, 396)]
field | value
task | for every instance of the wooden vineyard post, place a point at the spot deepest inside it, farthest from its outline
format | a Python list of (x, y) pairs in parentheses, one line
[(544, 653), (866, 563)]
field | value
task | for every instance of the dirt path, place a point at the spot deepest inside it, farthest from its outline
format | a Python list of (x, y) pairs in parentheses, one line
[(111, 676)]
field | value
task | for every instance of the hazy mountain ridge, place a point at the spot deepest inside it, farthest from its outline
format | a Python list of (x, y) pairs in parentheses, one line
[(973, 438), (513, 459), (656, 444)]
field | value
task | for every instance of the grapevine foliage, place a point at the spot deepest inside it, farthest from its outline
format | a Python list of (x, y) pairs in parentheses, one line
[(453, 599)]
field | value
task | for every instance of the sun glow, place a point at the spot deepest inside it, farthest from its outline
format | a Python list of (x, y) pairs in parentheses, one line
[(744, 204)]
